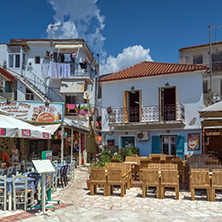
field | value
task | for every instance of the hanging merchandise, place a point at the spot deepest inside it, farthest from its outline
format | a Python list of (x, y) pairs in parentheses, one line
[(67, 58)]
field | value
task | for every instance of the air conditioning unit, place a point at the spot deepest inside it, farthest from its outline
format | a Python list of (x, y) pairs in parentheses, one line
[(143, 135)]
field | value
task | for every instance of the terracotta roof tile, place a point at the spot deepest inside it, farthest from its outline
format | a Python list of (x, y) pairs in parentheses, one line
[(202, 45), (144, 69), (6, 74)]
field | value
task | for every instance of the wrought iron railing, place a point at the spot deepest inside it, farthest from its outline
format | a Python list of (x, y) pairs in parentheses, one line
[(147, 114)]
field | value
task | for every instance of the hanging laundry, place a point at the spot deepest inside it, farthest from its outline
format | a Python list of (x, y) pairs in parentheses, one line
[(71, 106), (67, 58), (74, 55)]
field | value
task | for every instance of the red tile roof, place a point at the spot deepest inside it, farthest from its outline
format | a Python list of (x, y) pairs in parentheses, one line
[(5, 74), (144, 69), (199, 46)]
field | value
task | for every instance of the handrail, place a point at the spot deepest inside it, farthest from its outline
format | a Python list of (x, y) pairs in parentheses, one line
[(147, 114)]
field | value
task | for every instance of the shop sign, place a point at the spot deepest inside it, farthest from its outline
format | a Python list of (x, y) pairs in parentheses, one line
[(213, 133), (35, 111)]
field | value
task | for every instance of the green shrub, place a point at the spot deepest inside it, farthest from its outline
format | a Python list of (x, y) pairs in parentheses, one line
[(126, 152), (135, 150)]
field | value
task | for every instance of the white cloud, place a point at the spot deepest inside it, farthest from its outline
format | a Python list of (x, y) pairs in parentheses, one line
[(130, 56), (80, 19)]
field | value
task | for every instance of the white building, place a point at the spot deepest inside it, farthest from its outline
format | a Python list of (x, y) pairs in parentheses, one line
[(50, 70), (154, 106), (200, 54)]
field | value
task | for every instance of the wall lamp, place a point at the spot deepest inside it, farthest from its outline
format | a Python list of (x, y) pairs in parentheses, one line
[(8, 102), (133, 87), (167, 84), (46, 103)]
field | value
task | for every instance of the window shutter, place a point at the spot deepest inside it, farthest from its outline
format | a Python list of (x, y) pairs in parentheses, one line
[(125, 106), (140, 105), (180, 146), (155, 144), (175, 102)]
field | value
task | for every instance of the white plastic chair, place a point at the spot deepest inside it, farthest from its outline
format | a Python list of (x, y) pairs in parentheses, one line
[(54, 180), (10, 171), (18, 167), (3, 194), (2, 172), (21, 191)]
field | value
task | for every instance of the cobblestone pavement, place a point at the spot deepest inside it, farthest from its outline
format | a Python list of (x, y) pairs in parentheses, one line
[(131, 207)]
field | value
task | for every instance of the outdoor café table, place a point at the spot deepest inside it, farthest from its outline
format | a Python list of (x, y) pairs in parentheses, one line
[(9, 187)]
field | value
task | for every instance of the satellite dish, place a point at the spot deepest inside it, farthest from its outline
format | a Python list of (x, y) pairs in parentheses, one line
[(87, 94)]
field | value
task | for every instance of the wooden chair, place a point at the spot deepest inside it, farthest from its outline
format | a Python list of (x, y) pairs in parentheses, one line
[(169, 178), (150, 178), (216, 182), (116, 177), (181, 168), (168, 166), (155, 159), (211, 162), (168, 159), (200, 179), (128, 168), (98, 177), (143, 164)]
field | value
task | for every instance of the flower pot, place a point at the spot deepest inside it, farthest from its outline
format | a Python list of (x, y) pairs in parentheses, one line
[(88, 184)]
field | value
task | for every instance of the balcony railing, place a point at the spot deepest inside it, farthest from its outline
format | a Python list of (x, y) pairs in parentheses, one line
[(147, 114)]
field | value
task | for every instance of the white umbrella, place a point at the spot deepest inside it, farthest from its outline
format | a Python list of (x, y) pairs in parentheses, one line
[(11, 127)]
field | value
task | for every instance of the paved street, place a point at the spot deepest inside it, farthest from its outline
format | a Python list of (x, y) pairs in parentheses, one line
[(131, 207)]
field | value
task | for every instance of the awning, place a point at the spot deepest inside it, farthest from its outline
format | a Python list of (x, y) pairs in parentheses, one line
[(68, 46), (6, 75), (214, 110), (70, 87), (50, 127)]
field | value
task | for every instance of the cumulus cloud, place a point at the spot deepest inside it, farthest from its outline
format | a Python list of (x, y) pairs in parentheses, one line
[(130, 56), (80, 19)]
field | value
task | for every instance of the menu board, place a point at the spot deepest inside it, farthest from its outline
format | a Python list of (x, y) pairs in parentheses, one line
[(34, 111)]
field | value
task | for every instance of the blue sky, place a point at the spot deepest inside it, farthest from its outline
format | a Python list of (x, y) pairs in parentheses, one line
[(123, 32)]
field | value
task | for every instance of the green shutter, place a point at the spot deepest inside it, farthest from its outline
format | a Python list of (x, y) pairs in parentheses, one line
[(155, 144), (180, 146)]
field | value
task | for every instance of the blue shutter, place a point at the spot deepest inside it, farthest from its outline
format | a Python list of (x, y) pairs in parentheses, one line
[(180, 146), (155, 144)]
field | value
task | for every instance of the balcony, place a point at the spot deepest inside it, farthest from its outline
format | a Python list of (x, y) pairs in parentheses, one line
[(149, 115)]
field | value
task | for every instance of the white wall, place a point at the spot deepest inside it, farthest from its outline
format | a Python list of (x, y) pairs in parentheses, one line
[(189, 93)]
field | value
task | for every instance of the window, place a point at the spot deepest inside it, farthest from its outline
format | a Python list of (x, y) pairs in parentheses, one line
[(14, 60), (217, 61), (29, 95), (205, 86), (198, 59), (37, 59)]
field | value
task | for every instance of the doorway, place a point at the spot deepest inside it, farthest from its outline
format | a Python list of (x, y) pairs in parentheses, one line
[(169, 145), (128, 142), (134, 106), (168, 103)]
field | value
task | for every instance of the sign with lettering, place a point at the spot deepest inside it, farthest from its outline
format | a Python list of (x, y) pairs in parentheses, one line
[(34, 111)]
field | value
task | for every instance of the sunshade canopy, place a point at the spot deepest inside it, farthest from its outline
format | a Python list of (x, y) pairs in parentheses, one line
[(214, 110), (11, 127)]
